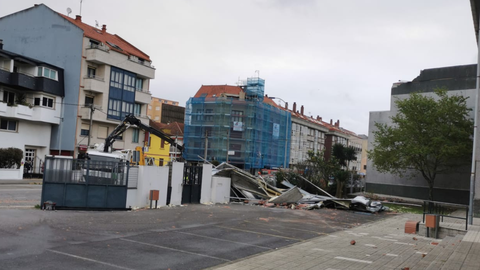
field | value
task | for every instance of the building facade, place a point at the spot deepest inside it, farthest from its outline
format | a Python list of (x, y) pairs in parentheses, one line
[(236, 124), (452, 187), (156, 109), (105, 76), (31, 95)]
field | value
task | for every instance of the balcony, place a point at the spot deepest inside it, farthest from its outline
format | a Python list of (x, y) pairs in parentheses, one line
[(95, 84), (143, 97), (38, 114), (100, 56), (29, 82)]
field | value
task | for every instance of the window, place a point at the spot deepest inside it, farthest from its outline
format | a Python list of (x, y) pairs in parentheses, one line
[(135, 135), (85, 130), (9, 97), (43, 101), (47, 102), (165, 101), (208, 117), (129, 83), (47, 73), (8, 125), (114, 45), (88, 100), (149, 107), (114, 107), (94, 43), (121, 96), (157, 118), (137, 109), (91, 72), (139, 84), (157, 108), (237, 116)]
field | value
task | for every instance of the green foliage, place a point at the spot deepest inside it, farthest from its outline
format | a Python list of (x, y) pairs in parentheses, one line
[(10, 157), (428, 136)]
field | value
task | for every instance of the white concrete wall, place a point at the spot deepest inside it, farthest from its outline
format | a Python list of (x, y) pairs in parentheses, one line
[(205, 195), (151, 177), (177, 188), (220, 189), (11, 174)]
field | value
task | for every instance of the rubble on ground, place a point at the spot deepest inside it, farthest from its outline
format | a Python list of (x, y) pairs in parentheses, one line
[(256, 190)]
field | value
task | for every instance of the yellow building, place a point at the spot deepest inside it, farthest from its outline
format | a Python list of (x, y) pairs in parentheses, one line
[(159, 151)]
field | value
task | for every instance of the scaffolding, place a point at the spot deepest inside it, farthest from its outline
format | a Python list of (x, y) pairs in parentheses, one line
[(249, 134), (255, 88)]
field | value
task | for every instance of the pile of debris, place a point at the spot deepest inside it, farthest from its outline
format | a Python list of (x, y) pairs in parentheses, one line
[(248, 188)]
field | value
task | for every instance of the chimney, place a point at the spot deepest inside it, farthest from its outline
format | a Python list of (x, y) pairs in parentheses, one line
[(286, 105), (78, 18), (318, 117), (338, 123), (1, 44), (301, 110), (331, 122), (104, 28), (294, 107)]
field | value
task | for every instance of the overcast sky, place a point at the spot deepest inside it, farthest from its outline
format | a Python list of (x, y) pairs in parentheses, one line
[(338, 58)]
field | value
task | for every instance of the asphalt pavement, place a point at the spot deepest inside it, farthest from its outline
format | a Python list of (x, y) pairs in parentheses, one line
[(188, 237)]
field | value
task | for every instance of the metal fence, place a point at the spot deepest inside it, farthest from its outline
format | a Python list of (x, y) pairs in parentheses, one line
[(86, 171), (85, 184)]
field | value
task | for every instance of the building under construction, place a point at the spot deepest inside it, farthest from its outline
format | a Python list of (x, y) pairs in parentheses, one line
[(236, 124)]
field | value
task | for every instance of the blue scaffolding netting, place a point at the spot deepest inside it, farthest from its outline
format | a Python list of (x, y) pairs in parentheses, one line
[(253, 134)]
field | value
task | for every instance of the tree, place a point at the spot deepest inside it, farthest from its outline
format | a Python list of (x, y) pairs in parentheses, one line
[(10, 157), (428, 135), (342, 155)]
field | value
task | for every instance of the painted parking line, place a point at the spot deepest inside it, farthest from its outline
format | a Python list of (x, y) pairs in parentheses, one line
[(267, 234), (402, 243), (391, 255), (174, 249), (90, 260), (223, 240), (352, 260)]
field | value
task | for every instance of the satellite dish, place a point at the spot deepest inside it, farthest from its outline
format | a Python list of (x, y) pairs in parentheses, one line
[(69, 10)]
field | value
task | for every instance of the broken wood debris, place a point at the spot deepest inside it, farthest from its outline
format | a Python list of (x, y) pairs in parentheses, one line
[(255, 190)]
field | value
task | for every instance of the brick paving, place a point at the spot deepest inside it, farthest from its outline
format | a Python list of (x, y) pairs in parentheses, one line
[(379, 245)]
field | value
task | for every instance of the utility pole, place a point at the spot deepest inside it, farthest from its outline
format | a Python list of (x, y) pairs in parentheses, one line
[(206, 145), (91, 122)]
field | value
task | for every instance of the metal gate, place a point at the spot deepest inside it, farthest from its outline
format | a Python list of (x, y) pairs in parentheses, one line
[(85, 184), (192, 184)]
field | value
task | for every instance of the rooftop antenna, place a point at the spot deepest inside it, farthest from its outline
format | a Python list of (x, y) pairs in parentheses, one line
[(96, 23), (69, 10), (258, 73), (81, 7)]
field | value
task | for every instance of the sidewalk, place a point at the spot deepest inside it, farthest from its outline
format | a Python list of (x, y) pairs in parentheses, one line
[(379, 245), (25, 181)]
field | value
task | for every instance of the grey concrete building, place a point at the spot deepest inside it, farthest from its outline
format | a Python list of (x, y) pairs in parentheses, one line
[(453, 187)]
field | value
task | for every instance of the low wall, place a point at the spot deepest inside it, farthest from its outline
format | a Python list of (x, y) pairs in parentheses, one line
[(11, 174)]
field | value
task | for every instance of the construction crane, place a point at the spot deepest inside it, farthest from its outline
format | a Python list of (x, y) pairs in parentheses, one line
[(132, 120)]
